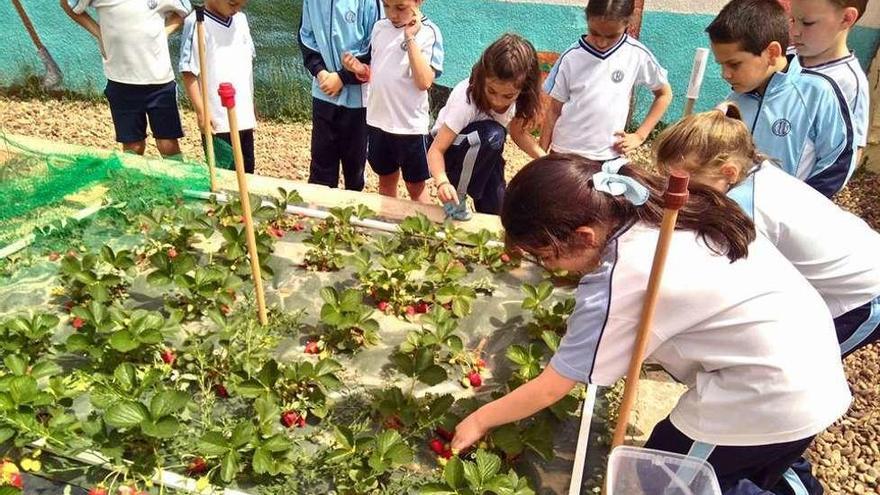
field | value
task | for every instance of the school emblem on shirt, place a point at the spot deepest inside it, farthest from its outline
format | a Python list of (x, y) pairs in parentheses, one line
[(781, 127), (152, 4), (350, 17), (617, 76)]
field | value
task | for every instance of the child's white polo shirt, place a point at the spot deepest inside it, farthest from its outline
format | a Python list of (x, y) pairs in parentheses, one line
[(836, 251), (752, 340), (460, 110), (134, 38), (395, 104), (595, 89), (230, 52)]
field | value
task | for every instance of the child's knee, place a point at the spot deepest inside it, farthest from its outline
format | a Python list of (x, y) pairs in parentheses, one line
[(493, 135)]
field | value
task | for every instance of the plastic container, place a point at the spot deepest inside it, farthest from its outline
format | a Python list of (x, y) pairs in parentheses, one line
[(639, 471)]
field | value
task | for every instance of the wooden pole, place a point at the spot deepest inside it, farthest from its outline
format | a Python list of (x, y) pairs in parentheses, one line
[(53, 77), (675, 197), (227, 98), (698, 72), (206, 103)]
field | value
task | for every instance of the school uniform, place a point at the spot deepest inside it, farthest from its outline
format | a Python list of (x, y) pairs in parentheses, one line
[(230, 52), (339, 127), (137, 64), (475, 162), (595, 89), (803, 120), (833, 249), (849, 76), (726, 330), (397, 111)]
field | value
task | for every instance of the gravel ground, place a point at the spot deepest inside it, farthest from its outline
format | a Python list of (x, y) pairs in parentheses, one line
[(846, 456)]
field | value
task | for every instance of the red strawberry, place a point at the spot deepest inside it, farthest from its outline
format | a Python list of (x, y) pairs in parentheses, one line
[(292, 418), (312, 347), (437, 446), (168, 357), (78, 323), (221, 391), (444, 433), (298, 227), (241, 219), (446, 454), (172, 253), (505, 258), (422, 307), (382, 306), (276, 232), (53, 256), (481, 363), (475, 379), (410, 311), (15, 480), (98, 490), (197, 466), (68, 306)]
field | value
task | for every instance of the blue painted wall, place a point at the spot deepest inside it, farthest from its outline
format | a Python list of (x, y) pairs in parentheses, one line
[(468, 26)]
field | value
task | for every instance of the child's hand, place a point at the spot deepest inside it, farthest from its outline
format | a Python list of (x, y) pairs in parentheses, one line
[(446, 193), (354, 65), (468, 432), (330, 83), (100, 40), (627, 142), (414, 25)]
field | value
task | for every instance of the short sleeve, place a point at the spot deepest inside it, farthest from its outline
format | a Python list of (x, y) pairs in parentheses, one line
[(432, 49), (651, 74), (178, 7), (79, 6), (459, 112), (557, 83), (189, 61)]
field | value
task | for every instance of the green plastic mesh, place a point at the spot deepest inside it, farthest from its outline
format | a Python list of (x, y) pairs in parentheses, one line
[(223, 157), (37, 188)]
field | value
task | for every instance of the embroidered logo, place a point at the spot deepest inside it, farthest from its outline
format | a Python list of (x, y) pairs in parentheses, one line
[(617, 76), (350, 17), (152, 4), (781, 127), (403, 45)]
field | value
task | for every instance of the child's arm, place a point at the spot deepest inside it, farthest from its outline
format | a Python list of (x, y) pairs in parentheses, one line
[(191, 85), (446, 192), (524, 139), (172, 23), (423, 74), (86, 21), (627, 142), (523, 402), (550, 118)]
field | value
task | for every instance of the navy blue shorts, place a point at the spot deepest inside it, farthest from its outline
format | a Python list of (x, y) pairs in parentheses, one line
[(132, 104), (339, 134), (858, 327), (388, 153)]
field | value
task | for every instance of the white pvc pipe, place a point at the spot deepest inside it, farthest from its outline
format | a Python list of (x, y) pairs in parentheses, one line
[(580, 453), (321, 214), (26, 241)]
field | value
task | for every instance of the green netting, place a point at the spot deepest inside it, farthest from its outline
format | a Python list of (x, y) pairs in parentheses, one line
[(38, 188), (223, 157)]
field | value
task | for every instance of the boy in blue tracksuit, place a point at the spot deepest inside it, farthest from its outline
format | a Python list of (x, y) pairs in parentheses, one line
[(339, 125), (797, 116)]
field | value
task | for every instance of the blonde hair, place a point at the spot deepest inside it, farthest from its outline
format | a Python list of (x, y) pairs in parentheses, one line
[(701, 143)]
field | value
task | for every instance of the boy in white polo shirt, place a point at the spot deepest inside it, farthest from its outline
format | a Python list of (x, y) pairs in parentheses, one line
[(230, 52), (133, 39), (592, 83), (407, 55)]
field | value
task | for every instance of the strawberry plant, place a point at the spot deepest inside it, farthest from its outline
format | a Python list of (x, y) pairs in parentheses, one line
[(105, 334), (482, 475), (545, 316), (482, 252), (31, 337), (369, 460), (247, 445), (301, 386), (332, 236), (94, 278), (408, 412), (346, 321)]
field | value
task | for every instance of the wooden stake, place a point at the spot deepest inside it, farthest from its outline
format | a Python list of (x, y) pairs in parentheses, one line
[(227, 99), (206, 103), (675, 197)]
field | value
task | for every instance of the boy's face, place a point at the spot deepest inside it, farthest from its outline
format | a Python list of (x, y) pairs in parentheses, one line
[(816, 25), (742, 70), (401, 12), (226, 8)]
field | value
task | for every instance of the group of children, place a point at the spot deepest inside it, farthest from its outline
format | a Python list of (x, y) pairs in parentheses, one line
[(768, 285)]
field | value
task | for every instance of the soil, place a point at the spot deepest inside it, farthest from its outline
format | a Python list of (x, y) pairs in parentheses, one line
[(846, 457)]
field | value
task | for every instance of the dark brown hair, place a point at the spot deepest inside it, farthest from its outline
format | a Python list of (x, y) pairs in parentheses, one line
[(618, 10), (510, 58), (552, 196), (753, 24)]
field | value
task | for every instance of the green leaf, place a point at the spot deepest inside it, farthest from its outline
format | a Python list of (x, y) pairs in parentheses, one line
[(399, 454), (45, 368), (243, 434), (326, 367), (507, 438), (329, 295), (343, 437), (168, 402), (16, 364), (453, 473), (125, 376), (488, 465), (539, 437), (277, 443), (6, 434), (126, 414), (436, 489), (251, 389), (433, 375), (123, 341), (262, 462), (517, 354), (23, 389), (77, 343), (164, 428), (213, 444), (385, 440), (229, 466)]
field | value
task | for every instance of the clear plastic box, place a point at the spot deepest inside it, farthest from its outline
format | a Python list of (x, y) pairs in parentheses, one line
[(639, 471)]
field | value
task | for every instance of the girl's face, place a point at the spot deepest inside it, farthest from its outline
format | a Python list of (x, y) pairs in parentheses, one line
[(604, 32), (226, 8), (579, 259), (817, 24), (501, 94), (401, 12)]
